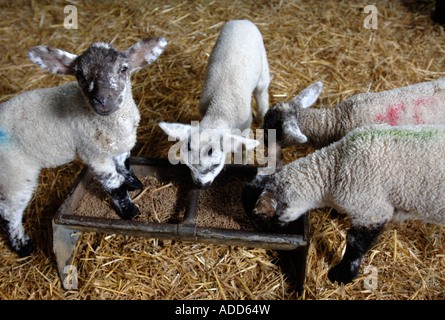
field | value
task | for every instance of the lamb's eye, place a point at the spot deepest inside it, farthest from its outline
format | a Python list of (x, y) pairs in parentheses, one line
[(123, 69), (209, 153)]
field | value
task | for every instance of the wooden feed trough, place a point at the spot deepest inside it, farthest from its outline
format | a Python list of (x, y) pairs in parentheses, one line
[(172, 209)]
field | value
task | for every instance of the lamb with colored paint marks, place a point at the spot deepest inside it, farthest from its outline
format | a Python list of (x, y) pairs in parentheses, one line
[(94, 118), (374, 175), (296, 123), (237, 68)]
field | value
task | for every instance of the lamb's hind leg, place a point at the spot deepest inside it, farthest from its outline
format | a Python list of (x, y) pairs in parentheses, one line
[(114, 184), (124, 168), (359, 240)]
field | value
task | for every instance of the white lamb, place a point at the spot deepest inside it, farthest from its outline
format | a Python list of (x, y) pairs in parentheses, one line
[(237, 68), (94, 118), (374, 174), (422, 103)]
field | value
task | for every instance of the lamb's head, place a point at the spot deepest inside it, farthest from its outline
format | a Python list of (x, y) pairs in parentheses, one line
[(262, 200), (283, 117), (205, 151), (261, 204), (103, 73)]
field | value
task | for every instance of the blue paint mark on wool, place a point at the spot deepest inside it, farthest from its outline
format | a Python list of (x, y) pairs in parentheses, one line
[(4, 138)]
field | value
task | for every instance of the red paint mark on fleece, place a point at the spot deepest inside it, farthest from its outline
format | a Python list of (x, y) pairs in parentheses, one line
[(391, 115), (422, 102)]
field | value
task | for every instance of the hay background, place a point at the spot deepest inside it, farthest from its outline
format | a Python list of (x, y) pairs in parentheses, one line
[(306, 41)]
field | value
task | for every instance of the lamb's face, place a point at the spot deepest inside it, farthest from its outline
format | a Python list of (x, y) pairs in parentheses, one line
[(205, 160), (260, 198), (283, 117), (274, 119), (262, 205), (205, 151), (103, 75), (269, 213)]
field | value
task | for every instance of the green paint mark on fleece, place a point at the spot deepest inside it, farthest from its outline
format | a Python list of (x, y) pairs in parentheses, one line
[(422, 134)]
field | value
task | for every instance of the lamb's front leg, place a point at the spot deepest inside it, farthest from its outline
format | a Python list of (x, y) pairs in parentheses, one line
[(262, 100), (17, 185), (114, 184), (124, 168), (12, 221), (359, 240)]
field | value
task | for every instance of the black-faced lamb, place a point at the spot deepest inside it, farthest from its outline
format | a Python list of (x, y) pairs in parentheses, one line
[(94, 118), (374, 175), (237, 67), (296, 123)]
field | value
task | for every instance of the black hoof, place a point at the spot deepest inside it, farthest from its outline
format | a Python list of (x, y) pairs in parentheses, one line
[(133, 184), (25, 250), (129, 212), (122, 203), (342, 273)]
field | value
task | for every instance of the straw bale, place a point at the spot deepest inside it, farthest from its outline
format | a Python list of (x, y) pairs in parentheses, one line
[(306, 42)]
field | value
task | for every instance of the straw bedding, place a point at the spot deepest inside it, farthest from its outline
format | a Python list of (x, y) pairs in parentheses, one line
[(306, 42)]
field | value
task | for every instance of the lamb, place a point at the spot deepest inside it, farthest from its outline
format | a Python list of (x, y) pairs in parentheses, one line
[(422, 103), (237, 68), (374, 174), (94, 118)]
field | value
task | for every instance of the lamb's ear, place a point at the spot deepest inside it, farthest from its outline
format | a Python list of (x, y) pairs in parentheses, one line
[(237, 142), (308, 96), (177, 130), (292, 133), (145, 52), (52, 59)]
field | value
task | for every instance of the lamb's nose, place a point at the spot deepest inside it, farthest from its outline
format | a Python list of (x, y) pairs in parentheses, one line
[(200, 185), (101, 102)]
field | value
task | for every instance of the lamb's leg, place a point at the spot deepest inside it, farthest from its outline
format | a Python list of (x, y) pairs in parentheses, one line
[(359, 240), (262, 100), (18, 239), (114, 184), (247, 126), (12, 206), (124, 168), (261, 93)]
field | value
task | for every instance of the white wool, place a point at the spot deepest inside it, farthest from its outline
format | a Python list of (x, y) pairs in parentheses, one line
[(237, 67), (101, 45)]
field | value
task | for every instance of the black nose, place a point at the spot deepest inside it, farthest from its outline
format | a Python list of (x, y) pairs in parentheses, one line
[(101, 102), (200, 185)]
